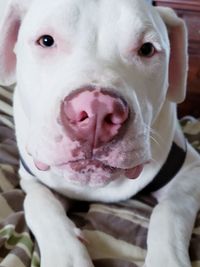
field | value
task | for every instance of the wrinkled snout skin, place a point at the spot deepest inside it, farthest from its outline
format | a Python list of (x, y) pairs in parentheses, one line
[(86, 104)]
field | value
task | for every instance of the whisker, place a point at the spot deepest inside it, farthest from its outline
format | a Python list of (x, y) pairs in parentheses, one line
[(154, 140), (154, 136), (153, 160)]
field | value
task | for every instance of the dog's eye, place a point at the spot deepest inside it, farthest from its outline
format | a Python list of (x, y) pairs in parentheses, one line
[(147, 50), (46, 41)]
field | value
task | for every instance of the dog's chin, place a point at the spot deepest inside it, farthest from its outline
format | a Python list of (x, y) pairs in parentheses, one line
[(94, 173)]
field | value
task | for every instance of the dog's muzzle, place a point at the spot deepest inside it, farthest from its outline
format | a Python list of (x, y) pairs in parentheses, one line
[(95, 118)]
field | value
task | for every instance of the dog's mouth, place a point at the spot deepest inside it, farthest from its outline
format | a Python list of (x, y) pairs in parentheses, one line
[(91, 171), (85, 166)]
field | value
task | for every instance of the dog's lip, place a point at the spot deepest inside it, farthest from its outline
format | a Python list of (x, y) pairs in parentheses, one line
[(76, 165), (130, 173), (135, 172), (41, 166)]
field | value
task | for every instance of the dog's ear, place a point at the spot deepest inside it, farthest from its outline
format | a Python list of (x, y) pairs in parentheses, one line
[(178, 65), (9, 27)]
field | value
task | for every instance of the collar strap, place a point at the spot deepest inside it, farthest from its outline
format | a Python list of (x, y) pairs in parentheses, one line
[(25, 166), (171, 167)]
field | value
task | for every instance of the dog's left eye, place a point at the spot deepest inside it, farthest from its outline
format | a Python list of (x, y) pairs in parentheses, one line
[(147, 50), (46, 41)]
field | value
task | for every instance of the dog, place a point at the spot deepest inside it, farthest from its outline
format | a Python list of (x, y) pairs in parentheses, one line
[(97, 83)]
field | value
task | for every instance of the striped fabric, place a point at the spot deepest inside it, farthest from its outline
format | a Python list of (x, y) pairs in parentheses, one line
[(116, 233)]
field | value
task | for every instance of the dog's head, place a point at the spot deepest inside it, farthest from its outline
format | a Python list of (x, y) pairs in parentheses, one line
[(92, 76)]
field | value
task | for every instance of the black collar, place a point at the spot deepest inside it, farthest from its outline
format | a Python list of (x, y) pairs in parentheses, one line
[(25, 166), (171, 167)]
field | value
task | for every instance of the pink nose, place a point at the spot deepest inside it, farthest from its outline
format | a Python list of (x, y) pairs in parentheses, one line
[(93, 115)]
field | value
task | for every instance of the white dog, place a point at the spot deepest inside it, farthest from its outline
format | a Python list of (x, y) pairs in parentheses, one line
[(95, 108)]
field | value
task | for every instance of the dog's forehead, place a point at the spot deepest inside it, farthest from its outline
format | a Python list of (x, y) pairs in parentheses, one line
[(94, 13), (83, 6), (107, 29)]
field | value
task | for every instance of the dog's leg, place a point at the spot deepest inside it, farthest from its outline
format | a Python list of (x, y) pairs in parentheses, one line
[(55, 233), (172, 222), (169, 235)]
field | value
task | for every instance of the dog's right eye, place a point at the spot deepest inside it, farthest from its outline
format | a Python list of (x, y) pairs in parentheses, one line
[(147, 50), (46, 41)]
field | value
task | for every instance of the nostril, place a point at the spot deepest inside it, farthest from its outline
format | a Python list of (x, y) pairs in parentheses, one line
[(116, 119), (83, 116), (109, 119), (79, 117)]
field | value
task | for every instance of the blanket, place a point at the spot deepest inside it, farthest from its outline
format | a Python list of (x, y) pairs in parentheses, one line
[(116, 233)]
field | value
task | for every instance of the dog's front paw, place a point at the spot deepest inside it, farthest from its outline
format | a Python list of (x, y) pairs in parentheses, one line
[(167, 260), (68, 253), (168, 264)]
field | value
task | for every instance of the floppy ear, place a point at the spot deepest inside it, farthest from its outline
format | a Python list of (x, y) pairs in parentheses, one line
[(10, 24), (178, 65)]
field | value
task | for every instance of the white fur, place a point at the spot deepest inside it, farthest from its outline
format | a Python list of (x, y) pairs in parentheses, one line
[(97, 43)]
